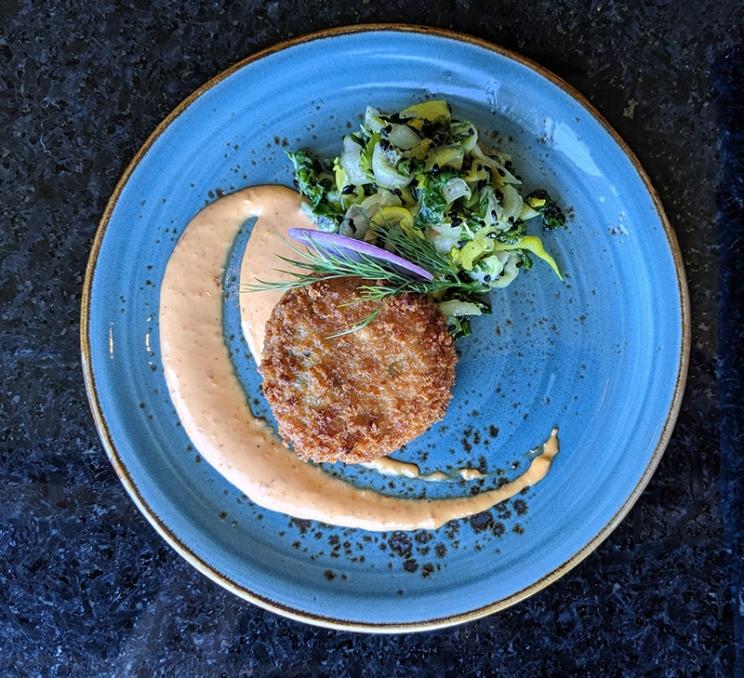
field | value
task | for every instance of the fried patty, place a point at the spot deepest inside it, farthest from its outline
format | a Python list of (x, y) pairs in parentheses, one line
[(362, 395)]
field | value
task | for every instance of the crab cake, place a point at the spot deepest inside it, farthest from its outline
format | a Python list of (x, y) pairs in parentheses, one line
[(364, 394)]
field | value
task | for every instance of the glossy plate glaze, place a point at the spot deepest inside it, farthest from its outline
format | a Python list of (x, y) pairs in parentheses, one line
[(603, 355)]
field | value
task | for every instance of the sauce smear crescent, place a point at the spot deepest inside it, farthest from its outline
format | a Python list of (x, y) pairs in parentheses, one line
[(212, 405)]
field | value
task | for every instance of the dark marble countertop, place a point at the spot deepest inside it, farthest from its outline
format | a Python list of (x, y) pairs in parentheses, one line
[(88, 588)]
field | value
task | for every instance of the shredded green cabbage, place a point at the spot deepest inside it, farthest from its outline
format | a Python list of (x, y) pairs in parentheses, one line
[(431, 176)]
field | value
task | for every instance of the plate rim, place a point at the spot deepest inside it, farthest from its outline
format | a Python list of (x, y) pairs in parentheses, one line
[(339, 623)]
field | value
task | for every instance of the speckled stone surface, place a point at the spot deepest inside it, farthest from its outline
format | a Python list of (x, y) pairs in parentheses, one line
[(88, 588)]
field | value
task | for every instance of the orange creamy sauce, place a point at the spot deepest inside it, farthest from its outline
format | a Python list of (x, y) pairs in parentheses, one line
[(211, 403)]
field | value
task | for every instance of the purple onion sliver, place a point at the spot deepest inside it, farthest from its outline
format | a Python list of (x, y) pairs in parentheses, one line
[(342, 243)]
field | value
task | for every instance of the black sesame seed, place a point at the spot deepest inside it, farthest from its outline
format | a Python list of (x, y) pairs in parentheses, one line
[(501, 172), (486, 278), (348, 189)]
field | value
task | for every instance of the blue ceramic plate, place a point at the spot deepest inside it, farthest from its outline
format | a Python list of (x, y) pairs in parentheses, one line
[(603, 355)]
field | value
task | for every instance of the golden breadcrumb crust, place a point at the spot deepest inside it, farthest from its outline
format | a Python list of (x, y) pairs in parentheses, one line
[(359, 396)]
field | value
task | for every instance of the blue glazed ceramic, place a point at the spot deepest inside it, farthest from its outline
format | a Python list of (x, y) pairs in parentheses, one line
[(602, 355)]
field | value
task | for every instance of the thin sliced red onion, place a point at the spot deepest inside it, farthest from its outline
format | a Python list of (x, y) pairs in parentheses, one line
[(341, 244)]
